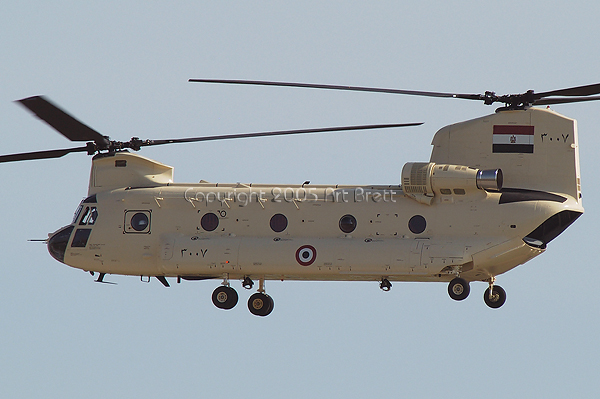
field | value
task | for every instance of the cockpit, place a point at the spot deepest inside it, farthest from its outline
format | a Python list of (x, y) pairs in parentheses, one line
[(83, 205), (89, 216), (84, 218)]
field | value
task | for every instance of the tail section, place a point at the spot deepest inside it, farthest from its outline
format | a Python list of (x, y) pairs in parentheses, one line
[(536, 149)]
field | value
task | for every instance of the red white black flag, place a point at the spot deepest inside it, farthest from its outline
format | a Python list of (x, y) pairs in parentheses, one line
[(512, 139)]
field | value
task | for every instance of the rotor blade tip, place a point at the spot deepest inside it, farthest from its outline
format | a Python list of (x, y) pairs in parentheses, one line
[(31, 98)]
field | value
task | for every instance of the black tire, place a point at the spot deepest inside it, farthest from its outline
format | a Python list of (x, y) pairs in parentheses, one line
[(225, 297), (498, 297), (271, 305), (260, 304), (458, 289)]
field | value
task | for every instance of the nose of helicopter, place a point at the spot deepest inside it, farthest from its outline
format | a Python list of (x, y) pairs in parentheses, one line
[(57, 243)]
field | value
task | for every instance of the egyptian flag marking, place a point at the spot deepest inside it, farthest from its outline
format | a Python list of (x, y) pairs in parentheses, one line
[(512, 139)]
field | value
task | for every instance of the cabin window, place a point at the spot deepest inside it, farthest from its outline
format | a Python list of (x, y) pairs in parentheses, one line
[(140, 221), (137, 222), (445, 191), (347, 223), (459, 191), (278, 223), (417, 224), (209, 221)]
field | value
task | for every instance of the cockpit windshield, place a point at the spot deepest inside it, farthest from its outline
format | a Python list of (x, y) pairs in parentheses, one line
[(77, 213), (89, 216)]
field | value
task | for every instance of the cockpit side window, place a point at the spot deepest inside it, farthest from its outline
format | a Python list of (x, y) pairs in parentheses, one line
[(85, 214), (93, 216), (89, 216)]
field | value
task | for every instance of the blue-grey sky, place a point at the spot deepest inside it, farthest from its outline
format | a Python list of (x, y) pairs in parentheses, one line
[(122, 68)]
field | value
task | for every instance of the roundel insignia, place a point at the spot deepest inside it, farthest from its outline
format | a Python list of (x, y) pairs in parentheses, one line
[(306, 255)]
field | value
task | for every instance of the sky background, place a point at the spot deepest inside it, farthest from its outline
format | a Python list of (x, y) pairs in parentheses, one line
[(122, 68)]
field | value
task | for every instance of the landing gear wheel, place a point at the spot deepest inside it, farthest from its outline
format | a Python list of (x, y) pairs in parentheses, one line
[(458, 289), (260, 304), (224, 297), (385, 284), (497, 298)]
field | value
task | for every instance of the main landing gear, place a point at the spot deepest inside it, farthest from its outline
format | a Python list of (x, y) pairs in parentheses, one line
[(259, 304), (494, 296), (458, 289), (225, 297)]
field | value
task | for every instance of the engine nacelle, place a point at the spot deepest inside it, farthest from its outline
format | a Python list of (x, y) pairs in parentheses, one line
[(422, 181)]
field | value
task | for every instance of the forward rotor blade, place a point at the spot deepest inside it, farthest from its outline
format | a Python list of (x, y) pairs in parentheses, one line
[(564, 100), (586, 90), (64, 123), (275, 133), (336, 87), (26, 156)]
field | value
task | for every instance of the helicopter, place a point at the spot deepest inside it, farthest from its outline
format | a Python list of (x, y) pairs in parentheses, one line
[(494, 193)]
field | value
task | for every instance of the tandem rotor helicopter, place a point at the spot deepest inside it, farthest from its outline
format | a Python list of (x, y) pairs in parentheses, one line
[(495, 192)]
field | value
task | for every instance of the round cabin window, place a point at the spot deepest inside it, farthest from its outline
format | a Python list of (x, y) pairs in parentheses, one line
[(417, 224), (347, 223), (278, 223), (209, 221), (139, 221)]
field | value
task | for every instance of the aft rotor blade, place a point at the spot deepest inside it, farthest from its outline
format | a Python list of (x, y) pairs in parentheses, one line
[(564, 100), (275, 133), (339, 87), (26, 156), (64, 123), (586, 90)]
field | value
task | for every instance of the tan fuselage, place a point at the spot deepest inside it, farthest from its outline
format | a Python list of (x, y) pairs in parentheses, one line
[(448, 218), (472, 234)]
